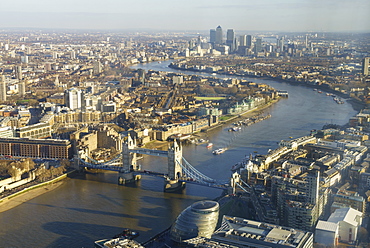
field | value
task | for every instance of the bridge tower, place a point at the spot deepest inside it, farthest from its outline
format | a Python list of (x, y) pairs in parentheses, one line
[(174, 168), (129, 162)]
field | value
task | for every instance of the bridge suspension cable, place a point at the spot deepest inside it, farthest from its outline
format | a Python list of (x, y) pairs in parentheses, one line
[(194, 173)]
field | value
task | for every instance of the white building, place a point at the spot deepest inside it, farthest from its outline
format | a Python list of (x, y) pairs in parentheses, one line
[(342, 225), (73, 98)]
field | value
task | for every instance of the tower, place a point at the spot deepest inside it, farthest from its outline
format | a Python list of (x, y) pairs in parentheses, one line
[(219, 39), (365, 66), (174, 158), (230, 39), (2, 88), (22, 88), (18, 72), (249, 41), (280, 44), (212, 36), (258, 45), (242, 40)]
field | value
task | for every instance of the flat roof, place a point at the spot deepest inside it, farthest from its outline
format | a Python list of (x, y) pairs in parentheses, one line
[(327, 226), (279, 234)]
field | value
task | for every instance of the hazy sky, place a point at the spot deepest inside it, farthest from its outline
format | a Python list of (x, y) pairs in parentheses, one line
[(264, 15)]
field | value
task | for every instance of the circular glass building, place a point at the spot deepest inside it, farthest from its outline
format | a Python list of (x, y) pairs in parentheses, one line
[(198, 220)]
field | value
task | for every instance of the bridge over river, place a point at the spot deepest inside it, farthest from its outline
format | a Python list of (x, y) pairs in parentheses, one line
[(179, 170)]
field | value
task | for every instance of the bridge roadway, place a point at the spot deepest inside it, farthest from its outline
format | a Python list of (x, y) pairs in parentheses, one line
[(144, 151), (213, 183)]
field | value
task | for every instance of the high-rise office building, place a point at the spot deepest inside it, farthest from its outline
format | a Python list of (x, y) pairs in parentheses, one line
[(258, 45), (212, 36), (280, 45), (219, 35), (242, 40), (306, 42), (230, 39), (365, 66), (2, 88), (249, 41)]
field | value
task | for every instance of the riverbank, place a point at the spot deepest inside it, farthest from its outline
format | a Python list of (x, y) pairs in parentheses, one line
[(356, 104), (239, 117), (29, 193)]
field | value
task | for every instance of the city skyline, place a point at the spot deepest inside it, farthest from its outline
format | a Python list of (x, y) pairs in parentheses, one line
[(266, 15)]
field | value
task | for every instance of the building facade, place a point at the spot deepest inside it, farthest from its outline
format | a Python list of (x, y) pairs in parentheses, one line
[(35, 148)]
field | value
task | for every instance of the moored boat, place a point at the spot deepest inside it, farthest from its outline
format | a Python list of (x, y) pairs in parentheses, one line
[(209, 145)]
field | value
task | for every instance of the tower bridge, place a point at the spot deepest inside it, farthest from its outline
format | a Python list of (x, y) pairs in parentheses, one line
[(178, 172)]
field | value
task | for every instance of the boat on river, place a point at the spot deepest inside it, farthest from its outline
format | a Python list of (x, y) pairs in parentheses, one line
[(219, 151), (209, 145)]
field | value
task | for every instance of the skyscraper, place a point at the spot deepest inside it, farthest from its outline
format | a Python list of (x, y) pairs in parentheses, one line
[(242, 40), (365, 66), (22, 87), (249, 41), (18, 72), (2, 88), (219, 35), (258, 45), (212, 36), (230, 39), (280, 45)]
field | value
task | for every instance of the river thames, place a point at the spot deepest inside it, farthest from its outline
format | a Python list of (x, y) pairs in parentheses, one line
[(89, 207)]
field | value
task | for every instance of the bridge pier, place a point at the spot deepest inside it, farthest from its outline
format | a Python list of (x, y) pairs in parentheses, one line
[(129, 177), (173, 185)]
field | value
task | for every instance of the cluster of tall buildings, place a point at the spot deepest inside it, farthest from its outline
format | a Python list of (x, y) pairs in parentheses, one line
[(248, 45), (217, 39)]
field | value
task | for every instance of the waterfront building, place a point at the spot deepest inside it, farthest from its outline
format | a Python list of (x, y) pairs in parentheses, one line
[(2, 88), (6, 132), (197, 220), (219, 36), (35, 131), (35, 148), (239, 232)]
